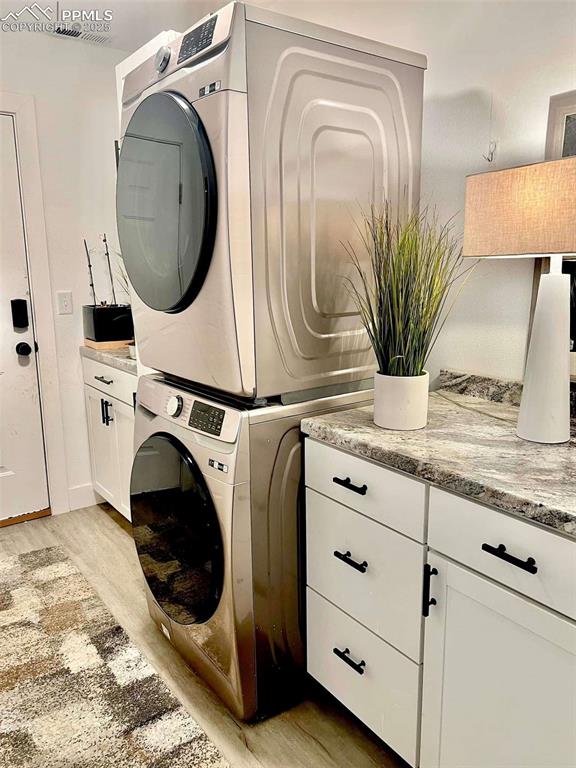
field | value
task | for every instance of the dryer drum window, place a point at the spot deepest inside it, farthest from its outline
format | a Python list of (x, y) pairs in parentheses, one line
[(166, 202), (176, 530)]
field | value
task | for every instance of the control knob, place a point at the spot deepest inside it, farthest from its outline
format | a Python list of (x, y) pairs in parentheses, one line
[(162, 58), (174, 405)]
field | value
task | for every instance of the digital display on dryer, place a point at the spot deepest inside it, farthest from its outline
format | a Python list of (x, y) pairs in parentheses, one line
[(196, 40), (206, 418)]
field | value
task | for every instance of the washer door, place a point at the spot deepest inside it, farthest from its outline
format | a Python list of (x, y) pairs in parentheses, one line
[(176, 530), (166, 202)]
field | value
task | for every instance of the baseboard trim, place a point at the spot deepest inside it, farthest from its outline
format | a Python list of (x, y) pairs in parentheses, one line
[(80, 496), (23, 518)]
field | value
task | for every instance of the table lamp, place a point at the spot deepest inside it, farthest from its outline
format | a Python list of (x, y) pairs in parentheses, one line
[(530, 212)]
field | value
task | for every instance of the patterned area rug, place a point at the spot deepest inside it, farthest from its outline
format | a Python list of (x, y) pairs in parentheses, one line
[(74, 691)]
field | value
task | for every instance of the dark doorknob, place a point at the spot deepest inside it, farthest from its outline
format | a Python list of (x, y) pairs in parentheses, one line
[(23, 348)]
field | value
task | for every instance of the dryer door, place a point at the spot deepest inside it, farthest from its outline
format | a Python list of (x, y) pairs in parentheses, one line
[(176, 530), (166, 202)]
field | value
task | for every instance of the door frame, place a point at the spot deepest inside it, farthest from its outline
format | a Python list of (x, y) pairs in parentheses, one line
[(23, 112)]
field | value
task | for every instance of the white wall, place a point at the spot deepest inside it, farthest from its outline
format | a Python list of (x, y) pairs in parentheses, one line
[(73, 85), (515, 53)]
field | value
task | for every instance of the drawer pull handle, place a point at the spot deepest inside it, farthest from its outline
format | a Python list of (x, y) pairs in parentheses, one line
[(357, 666), (347, 483), (104, 380), (346, 557), (500, 551)]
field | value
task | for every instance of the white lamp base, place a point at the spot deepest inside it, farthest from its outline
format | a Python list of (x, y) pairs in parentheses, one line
[(545, 406)]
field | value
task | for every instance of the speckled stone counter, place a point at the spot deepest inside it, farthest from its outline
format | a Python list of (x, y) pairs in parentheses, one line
[(469, 446), (116, 358)]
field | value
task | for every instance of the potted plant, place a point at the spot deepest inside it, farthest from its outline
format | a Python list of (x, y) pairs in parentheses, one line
[(107, 325), (401, 296)]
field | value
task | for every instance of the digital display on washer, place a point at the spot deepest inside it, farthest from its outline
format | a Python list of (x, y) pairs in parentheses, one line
[(206, 417), (197, 40)]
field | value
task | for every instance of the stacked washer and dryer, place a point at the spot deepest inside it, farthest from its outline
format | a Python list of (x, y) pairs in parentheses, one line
[(249, 147)]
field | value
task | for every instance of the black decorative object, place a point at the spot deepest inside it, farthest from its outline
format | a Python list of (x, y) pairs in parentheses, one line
[(107, 254), (105, 322), (108, 322), (90, 271)]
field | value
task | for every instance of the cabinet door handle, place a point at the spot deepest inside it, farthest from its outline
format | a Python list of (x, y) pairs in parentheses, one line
[(347, 483), (357, 666), (500, 551), (102, 416), (107, 417), (427, 601), (346, 557), (104, 380)]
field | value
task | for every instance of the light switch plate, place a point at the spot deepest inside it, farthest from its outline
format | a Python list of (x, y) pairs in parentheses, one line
[(64, 301)]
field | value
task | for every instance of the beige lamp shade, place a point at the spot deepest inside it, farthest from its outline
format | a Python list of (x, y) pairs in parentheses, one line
[(524, 211)]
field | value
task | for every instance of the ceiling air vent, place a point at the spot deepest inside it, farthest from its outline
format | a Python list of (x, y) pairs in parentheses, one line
[(95, 38)]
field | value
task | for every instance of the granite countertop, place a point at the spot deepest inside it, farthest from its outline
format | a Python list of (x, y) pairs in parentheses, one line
[(116, 358), (469, 446)]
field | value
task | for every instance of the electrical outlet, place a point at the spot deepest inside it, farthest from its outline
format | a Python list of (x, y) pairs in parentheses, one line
[(64, 299)]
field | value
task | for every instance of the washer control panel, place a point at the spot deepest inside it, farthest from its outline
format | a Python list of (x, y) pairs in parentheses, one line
[(206, 417), (188, 409), (197, 39)]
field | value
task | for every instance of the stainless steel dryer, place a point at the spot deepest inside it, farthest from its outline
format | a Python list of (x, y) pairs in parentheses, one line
[(214, 498), (250, 144)]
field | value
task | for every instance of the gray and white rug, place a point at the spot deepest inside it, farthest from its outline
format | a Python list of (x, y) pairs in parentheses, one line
[(74, 690)]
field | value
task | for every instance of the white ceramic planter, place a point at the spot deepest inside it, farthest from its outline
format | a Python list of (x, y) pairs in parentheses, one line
[(401, 402)]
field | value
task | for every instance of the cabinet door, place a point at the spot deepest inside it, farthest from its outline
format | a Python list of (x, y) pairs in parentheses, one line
[(124, 418), (499, 678), (102, 438)]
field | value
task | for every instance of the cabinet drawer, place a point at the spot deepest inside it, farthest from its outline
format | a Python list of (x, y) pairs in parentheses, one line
[(372, 573), (385, 695), (383, 495), (460, 529), (113, 382)]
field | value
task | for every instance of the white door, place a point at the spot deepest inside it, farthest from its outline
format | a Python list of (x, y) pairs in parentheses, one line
[(23, 483), (103, 452), (499, 678)]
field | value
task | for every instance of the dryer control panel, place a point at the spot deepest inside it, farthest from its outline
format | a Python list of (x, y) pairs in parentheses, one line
[(197, 39), (208, 37)]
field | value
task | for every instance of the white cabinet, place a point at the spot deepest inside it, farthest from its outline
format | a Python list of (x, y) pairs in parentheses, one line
[(102, 440), (376, 682), (124, 433), (364, 564), (388, 497), (524, 557), (499, 677), (371, 572), (498, 668), (109, 396)]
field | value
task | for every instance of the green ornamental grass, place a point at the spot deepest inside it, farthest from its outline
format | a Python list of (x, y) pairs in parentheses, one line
[(413, 262)]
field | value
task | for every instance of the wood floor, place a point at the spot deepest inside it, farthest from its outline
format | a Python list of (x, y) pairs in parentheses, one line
[(318, 733)]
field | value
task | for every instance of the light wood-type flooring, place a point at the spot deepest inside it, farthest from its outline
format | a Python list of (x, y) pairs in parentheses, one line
[(317, 733)]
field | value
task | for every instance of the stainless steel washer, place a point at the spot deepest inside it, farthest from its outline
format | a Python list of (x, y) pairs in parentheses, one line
[(215, 513)]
